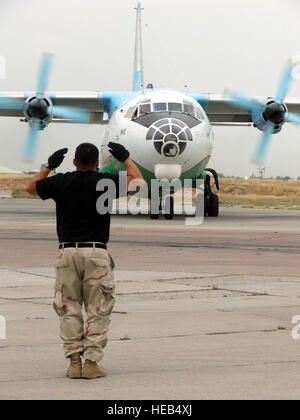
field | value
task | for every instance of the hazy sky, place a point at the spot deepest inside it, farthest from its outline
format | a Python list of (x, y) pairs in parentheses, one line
[(208, 45)]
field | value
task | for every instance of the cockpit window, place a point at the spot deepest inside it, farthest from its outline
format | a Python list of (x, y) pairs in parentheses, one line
[(200, 114), (130, 112), (145, 109), (160, 106), (189, 109), (141, 108), (173, 106), (192, 110)]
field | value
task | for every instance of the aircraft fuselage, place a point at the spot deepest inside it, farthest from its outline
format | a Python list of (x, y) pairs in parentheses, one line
[(167, 133)]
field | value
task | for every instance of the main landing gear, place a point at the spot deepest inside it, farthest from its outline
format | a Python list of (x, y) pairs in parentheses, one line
[(211, 200)]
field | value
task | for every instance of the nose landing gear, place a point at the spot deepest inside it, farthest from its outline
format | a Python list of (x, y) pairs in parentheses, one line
[(166, 203), (169, 208)]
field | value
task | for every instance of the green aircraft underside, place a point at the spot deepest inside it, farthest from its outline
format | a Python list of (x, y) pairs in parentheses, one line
[(113, 166)]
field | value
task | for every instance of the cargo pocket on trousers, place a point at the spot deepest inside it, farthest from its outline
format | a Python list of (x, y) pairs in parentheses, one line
[(59, 303), (107, 296), (100, 270)]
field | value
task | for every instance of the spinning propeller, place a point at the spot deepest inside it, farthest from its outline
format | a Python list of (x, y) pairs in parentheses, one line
[(39, 110), (273, 113)]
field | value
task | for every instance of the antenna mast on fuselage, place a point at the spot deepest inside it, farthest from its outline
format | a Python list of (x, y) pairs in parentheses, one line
[(138, 76)]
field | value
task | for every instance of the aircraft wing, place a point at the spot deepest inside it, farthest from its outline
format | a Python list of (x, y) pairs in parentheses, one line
[(220, 110), (101, 105)]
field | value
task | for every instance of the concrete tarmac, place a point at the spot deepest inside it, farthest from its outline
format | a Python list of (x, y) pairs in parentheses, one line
[(202, 312)]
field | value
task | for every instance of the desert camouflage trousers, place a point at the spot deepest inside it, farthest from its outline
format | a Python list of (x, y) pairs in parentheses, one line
[(84, 276)]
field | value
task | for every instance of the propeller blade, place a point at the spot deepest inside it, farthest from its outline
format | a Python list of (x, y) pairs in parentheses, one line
[(8, 103), (293, 118), (244, 102), (44, 74), (68, 113), (262, 146), (285, 82), (31, 141)]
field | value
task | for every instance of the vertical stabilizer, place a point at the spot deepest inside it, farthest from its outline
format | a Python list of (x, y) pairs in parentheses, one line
[(138, 76)]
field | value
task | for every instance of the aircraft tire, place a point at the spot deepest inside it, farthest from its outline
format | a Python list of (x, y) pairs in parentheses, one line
[(206, 205), (213, 210), (170, 215), (154, 216)]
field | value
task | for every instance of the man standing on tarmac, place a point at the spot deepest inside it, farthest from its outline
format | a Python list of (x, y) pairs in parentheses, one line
[(84, 268)]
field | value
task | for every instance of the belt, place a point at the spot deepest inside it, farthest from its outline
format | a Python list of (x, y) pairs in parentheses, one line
[(82, 245)]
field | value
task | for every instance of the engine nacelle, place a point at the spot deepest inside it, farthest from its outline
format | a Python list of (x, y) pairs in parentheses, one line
[(38, 108), (274, 113)]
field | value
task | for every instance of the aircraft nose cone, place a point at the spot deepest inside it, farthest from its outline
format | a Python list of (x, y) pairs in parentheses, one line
[(170, 136)]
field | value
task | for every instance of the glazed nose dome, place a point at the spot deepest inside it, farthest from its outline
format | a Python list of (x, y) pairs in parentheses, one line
[(169, 136)]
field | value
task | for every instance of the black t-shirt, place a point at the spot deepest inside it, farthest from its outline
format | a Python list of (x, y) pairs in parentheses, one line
[(76, 196)]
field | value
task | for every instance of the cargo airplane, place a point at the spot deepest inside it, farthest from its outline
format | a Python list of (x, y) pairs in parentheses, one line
[(169, 133)]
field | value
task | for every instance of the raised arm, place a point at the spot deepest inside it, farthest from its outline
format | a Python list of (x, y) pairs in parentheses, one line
[(134, 177), (53, 162), (31, 187)]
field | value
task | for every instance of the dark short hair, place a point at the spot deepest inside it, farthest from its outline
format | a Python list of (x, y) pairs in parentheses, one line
[(86, 154)]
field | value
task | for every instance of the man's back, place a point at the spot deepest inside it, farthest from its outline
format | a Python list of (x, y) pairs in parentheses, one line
[(76, 196)]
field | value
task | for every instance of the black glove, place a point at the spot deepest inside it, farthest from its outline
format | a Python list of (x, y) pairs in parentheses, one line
[(56, 159), (118, 151)]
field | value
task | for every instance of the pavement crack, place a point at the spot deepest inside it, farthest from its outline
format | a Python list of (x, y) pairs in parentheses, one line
[(163, 291), (26, 300), (271, 330), (250, 293), (201, 277), (31, 274)]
